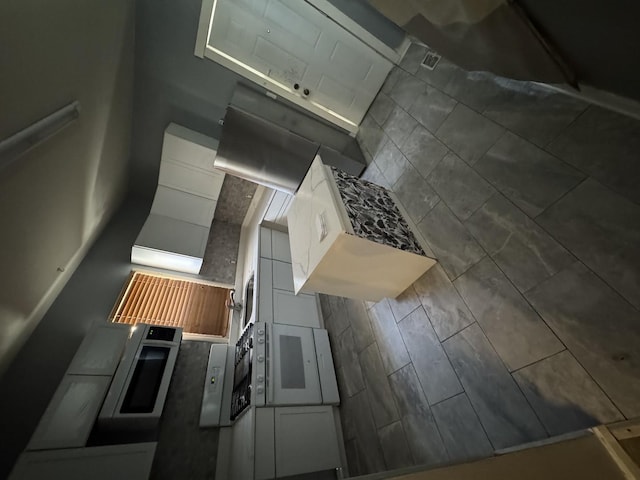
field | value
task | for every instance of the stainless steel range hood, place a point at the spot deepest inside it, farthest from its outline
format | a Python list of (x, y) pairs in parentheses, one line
[(262, 152), (270, 143)]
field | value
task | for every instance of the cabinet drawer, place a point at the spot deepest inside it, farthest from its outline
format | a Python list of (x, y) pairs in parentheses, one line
[(281, 249), (191, 180), (292, 309), (265, 242), (183, 206), (282, 276)]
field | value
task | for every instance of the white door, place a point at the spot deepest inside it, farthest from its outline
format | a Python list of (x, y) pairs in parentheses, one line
[(298, 52)]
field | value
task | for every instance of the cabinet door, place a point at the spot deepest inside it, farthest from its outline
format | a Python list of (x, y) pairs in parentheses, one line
[(292, 309), (280, 246), (265, 242), (189, 179), (264, 291), (71, 413), (183, 206), (306, 440), (131, 461), (100, 351), (282, 276)]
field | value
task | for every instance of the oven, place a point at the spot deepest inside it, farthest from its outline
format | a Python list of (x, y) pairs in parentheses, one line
[(283, 365), (137, 394)]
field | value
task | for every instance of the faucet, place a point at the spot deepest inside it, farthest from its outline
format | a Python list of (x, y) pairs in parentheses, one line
[(231, 301)]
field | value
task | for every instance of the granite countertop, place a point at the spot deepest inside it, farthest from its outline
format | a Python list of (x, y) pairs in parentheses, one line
[(373, 213)]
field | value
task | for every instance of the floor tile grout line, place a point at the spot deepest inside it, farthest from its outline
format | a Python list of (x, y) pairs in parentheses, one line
[(521, 294), (604, 392), (431, 322), (409, 355), (399, 333), (427, 84), (543, 150), (485, 151), (441, 348), (464, 391), (470, 266), (505, 133), (373, 423), (499, 358), (542, 424), (404, 432), (567, 348), (386, 379), (623, 297), (492, 255), (559, 199), (429, 407), (540, 360), (500, 137), (558, 335), (407, 315), (566, 127)]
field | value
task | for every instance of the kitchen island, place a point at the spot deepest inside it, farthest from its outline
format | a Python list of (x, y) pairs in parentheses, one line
[(351, 238)]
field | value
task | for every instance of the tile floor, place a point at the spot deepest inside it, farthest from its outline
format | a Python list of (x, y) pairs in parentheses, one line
[(529, 325)]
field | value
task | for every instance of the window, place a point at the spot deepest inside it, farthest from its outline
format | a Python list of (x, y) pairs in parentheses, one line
[(196, 307)]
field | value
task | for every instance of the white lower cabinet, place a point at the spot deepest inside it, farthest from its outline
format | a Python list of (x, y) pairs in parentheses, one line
[(294, 441), (281, 249), (131, 461), (306, 440), (265, 453), (293, 309), (278, 303)]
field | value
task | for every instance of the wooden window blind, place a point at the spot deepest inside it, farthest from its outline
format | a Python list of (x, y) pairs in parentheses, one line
[(196, 307)]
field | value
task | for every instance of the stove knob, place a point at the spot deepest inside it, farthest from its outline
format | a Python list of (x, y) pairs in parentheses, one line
[(261, 358), (261, 331), (261, 340), (260, 389), (260, 378)]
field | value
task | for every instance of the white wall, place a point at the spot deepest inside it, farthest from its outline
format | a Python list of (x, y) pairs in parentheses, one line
[(55, 199), (172, 84)]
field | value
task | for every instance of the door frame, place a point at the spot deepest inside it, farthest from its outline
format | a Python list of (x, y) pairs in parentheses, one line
[(204, 50)]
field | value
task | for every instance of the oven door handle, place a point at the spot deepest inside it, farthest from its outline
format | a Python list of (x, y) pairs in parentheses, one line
[(269, 361)]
